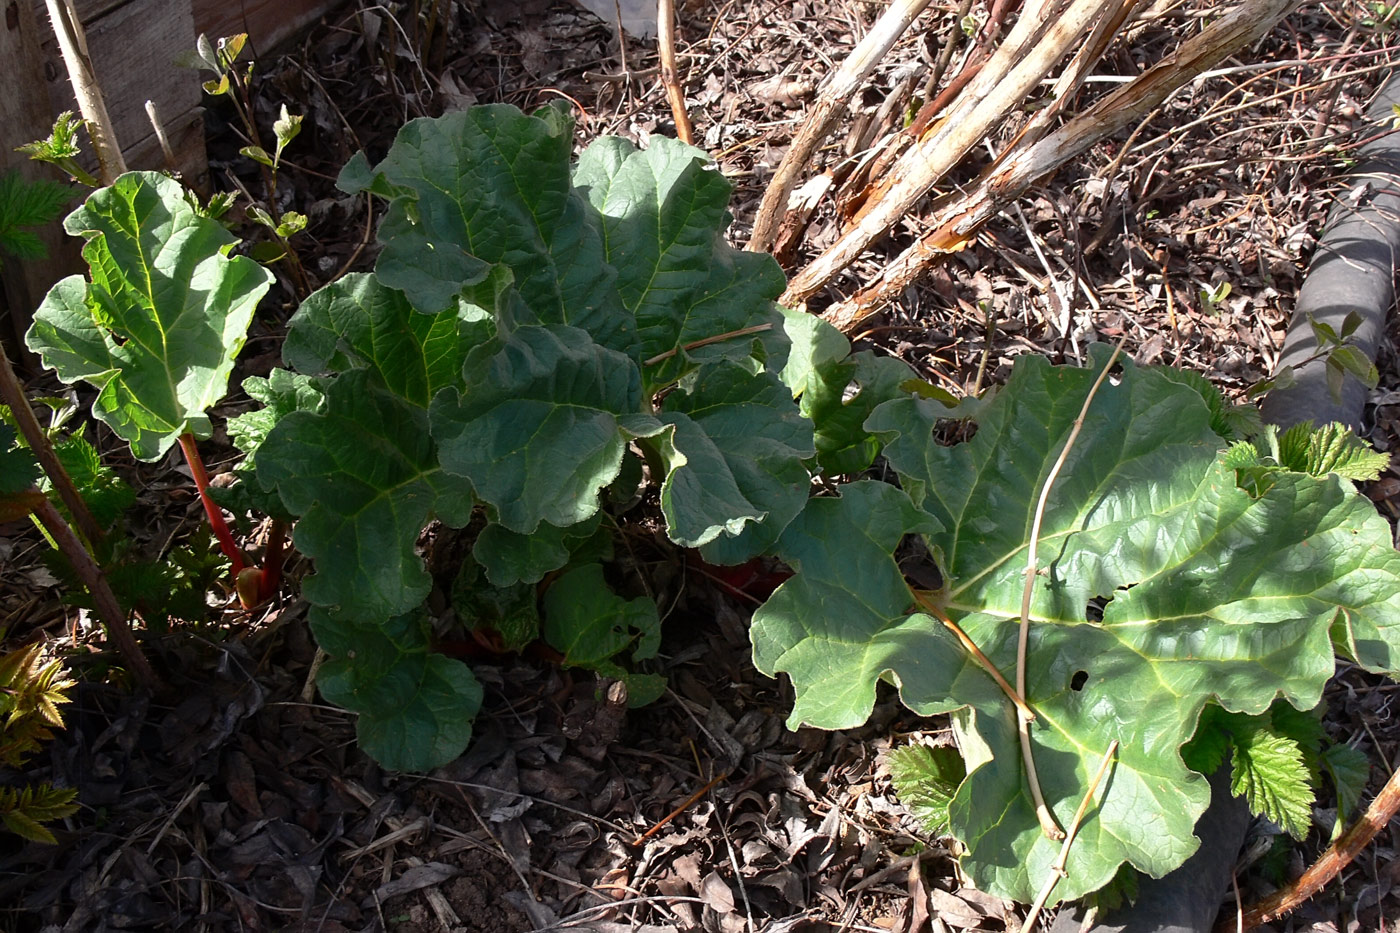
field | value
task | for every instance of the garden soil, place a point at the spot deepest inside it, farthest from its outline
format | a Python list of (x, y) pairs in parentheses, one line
[(237, 800)]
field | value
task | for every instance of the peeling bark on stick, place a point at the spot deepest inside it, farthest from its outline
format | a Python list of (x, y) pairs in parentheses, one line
[(955, 219), (831, 104), (1000, 88)]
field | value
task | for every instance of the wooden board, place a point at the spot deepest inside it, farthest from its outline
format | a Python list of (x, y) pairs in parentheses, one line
[(140, 50), (268, 23), (136, 48), (24, 116)]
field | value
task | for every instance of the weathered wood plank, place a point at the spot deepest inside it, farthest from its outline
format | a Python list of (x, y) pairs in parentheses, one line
[(267, 22), (136, 51), (135, 47), (24, 115)]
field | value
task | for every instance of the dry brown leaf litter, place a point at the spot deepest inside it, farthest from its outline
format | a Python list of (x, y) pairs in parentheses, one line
[(239, 806)]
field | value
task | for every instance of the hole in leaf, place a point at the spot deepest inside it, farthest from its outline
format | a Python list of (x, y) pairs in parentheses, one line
[(1078, 681), (1093, 612), (949, 432), (917, 564)]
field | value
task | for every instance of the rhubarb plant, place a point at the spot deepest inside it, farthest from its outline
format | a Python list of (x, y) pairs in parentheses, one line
[(538, 337), (1174, 580), (540, 340), (548, 346), (158, 322)]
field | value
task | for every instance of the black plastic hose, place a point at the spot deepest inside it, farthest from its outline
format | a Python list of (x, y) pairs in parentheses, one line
[(1353, 270)]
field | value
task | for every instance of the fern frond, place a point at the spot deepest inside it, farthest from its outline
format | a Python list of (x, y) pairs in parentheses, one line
[(25, 810)]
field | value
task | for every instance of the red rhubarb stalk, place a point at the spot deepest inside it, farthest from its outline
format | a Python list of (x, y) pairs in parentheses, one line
[(272, 560), (216, 515)]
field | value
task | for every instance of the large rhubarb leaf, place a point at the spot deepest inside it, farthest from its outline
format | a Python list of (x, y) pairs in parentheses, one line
[(415, 707), (165, 314), (664, 211), (491, 185), (357, 322), (541, 425), (1163, 585), (364, 477), (362, 470), (734, 458)]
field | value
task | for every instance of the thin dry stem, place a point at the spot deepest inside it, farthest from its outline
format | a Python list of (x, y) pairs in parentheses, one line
[(72, 43), (955, 218), (670, 80), (826, 113), (1047, 819), (1000, 88), (706, 341), (12, 394), (104, 601), (1057, 870)]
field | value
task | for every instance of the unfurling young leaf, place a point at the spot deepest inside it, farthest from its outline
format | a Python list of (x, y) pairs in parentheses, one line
[(61, 148), (285, 128), (926, 780)]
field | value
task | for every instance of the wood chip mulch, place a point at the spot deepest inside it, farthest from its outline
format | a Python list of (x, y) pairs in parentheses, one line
[(234, 803)]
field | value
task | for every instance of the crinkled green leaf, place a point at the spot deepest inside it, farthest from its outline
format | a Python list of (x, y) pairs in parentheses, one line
[(166, 312), (734, 457), (363, 475), (491, 185), (925, 780), (1269, 773), (591, 625), (846, 616), (664, 211), (509, 557), (511, 611), (1332, 448), (280, 393), (838, 391), (357, 322), (539, 427), (415, 708), (1210, 594)]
